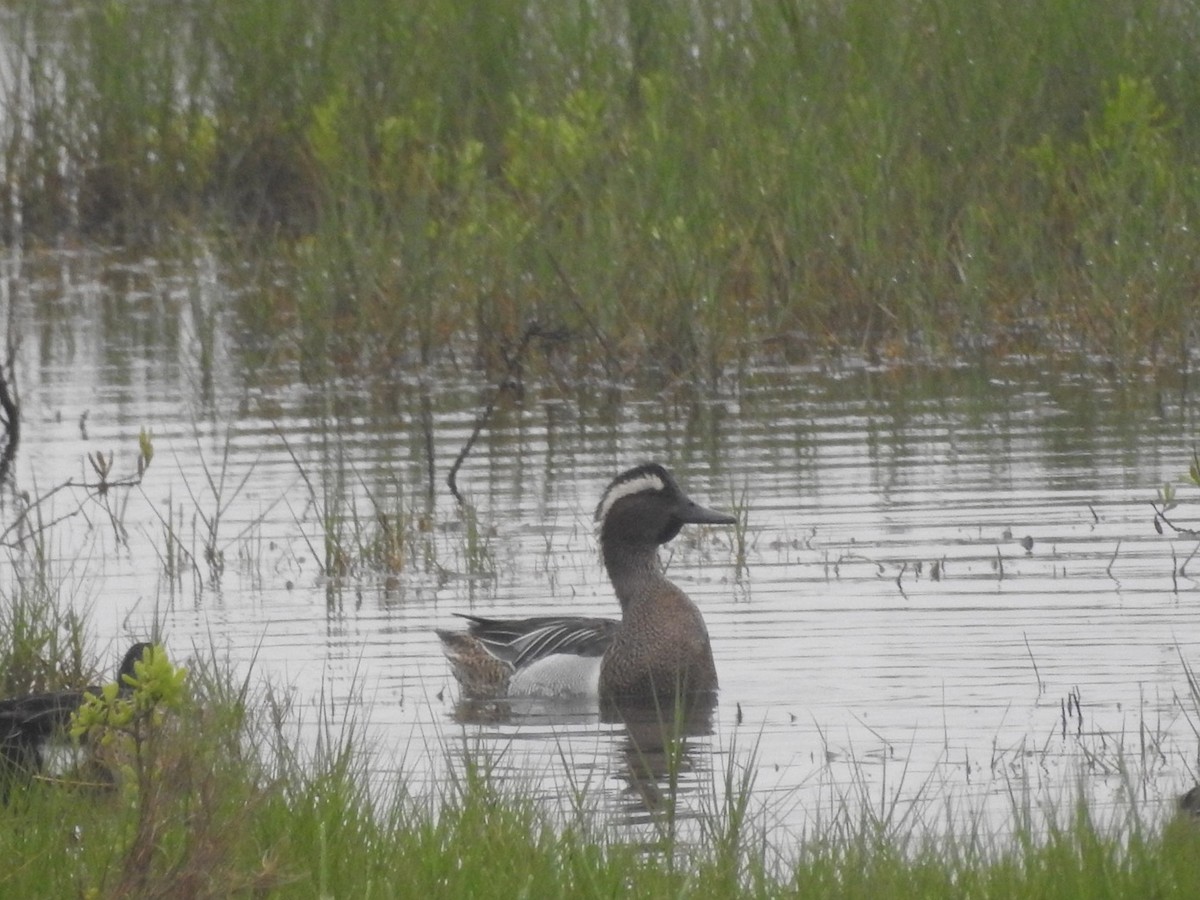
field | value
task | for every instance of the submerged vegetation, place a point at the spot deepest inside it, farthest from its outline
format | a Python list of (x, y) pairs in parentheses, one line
[(684, 183)]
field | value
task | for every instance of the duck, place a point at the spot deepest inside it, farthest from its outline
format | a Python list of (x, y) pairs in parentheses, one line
[(1189, 804), (29, 723), (658, 650)]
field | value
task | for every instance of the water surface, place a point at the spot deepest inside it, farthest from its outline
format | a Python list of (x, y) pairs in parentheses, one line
[(947, 591)]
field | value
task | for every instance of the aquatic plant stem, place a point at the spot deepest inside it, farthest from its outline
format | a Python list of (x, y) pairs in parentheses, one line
[(10, 405), (510, 382)]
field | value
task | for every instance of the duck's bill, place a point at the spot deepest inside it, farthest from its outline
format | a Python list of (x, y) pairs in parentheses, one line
[(695, 514)]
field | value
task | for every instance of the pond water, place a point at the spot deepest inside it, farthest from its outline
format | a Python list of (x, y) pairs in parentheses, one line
[(947, 596)]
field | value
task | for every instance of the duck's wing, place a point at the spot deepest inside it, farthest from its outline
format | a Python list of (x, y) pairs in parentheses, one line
[(520, 642), (34, 718)]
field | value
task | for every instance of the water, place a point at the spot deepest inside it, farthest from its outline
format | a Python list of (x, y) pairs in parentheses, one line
[(948, 594)]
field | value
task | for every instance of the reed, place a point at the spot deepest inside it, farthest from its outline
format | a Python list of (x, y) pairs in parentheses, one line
[(675, 184), (44, 608)]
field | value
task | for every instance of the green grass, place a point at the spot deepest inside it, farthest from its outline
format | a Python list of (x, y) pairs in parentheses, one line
[(224, 804), (676, 184)]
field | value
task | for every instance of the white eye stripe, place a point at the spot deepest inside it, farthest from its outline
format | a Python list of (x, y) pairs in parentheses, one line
[(645, 482)]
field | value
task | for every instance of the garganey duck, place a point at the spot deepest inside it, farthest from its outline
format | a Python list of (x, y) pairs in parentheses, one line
[(658, 650)]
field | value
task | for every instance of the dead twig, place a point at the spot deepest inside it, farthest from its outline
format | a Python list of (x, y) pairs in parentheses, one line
[(10, 412), (510, 382)]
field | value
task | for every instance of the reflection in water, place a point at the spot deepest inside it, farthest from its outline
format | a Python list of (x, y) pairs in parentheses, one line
[(557, 711), (655, 752), (343, 551), (661, 762)]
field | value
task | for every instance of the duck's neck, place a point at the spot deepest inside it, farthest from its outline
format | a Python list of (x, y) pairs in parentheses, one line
[(634, 570)]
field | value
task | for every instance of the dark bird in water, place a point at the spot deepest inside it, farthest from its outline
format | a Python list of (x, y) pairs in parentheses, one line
[(1189, 803), (30, 723)]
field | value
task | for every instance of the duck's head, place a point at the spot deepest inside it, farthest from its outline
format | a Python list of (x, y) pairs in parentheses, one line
[(132, 657), (645, 505)]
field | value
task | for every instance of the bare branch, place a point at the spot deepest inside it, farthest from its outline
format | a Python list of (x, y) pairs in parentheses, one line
[(10, 412)]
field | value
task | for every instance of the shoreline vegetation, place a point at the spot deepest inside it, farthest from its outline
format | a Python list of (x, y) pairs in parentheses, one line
[(212, 798), (677, 186)]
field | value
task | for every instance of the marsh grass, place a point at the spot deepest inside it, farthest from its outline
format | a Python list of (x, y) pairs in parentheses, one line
[(43, 608), (400, 538), (236, 812), (360, 528), (43, 627), (671, 186)]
